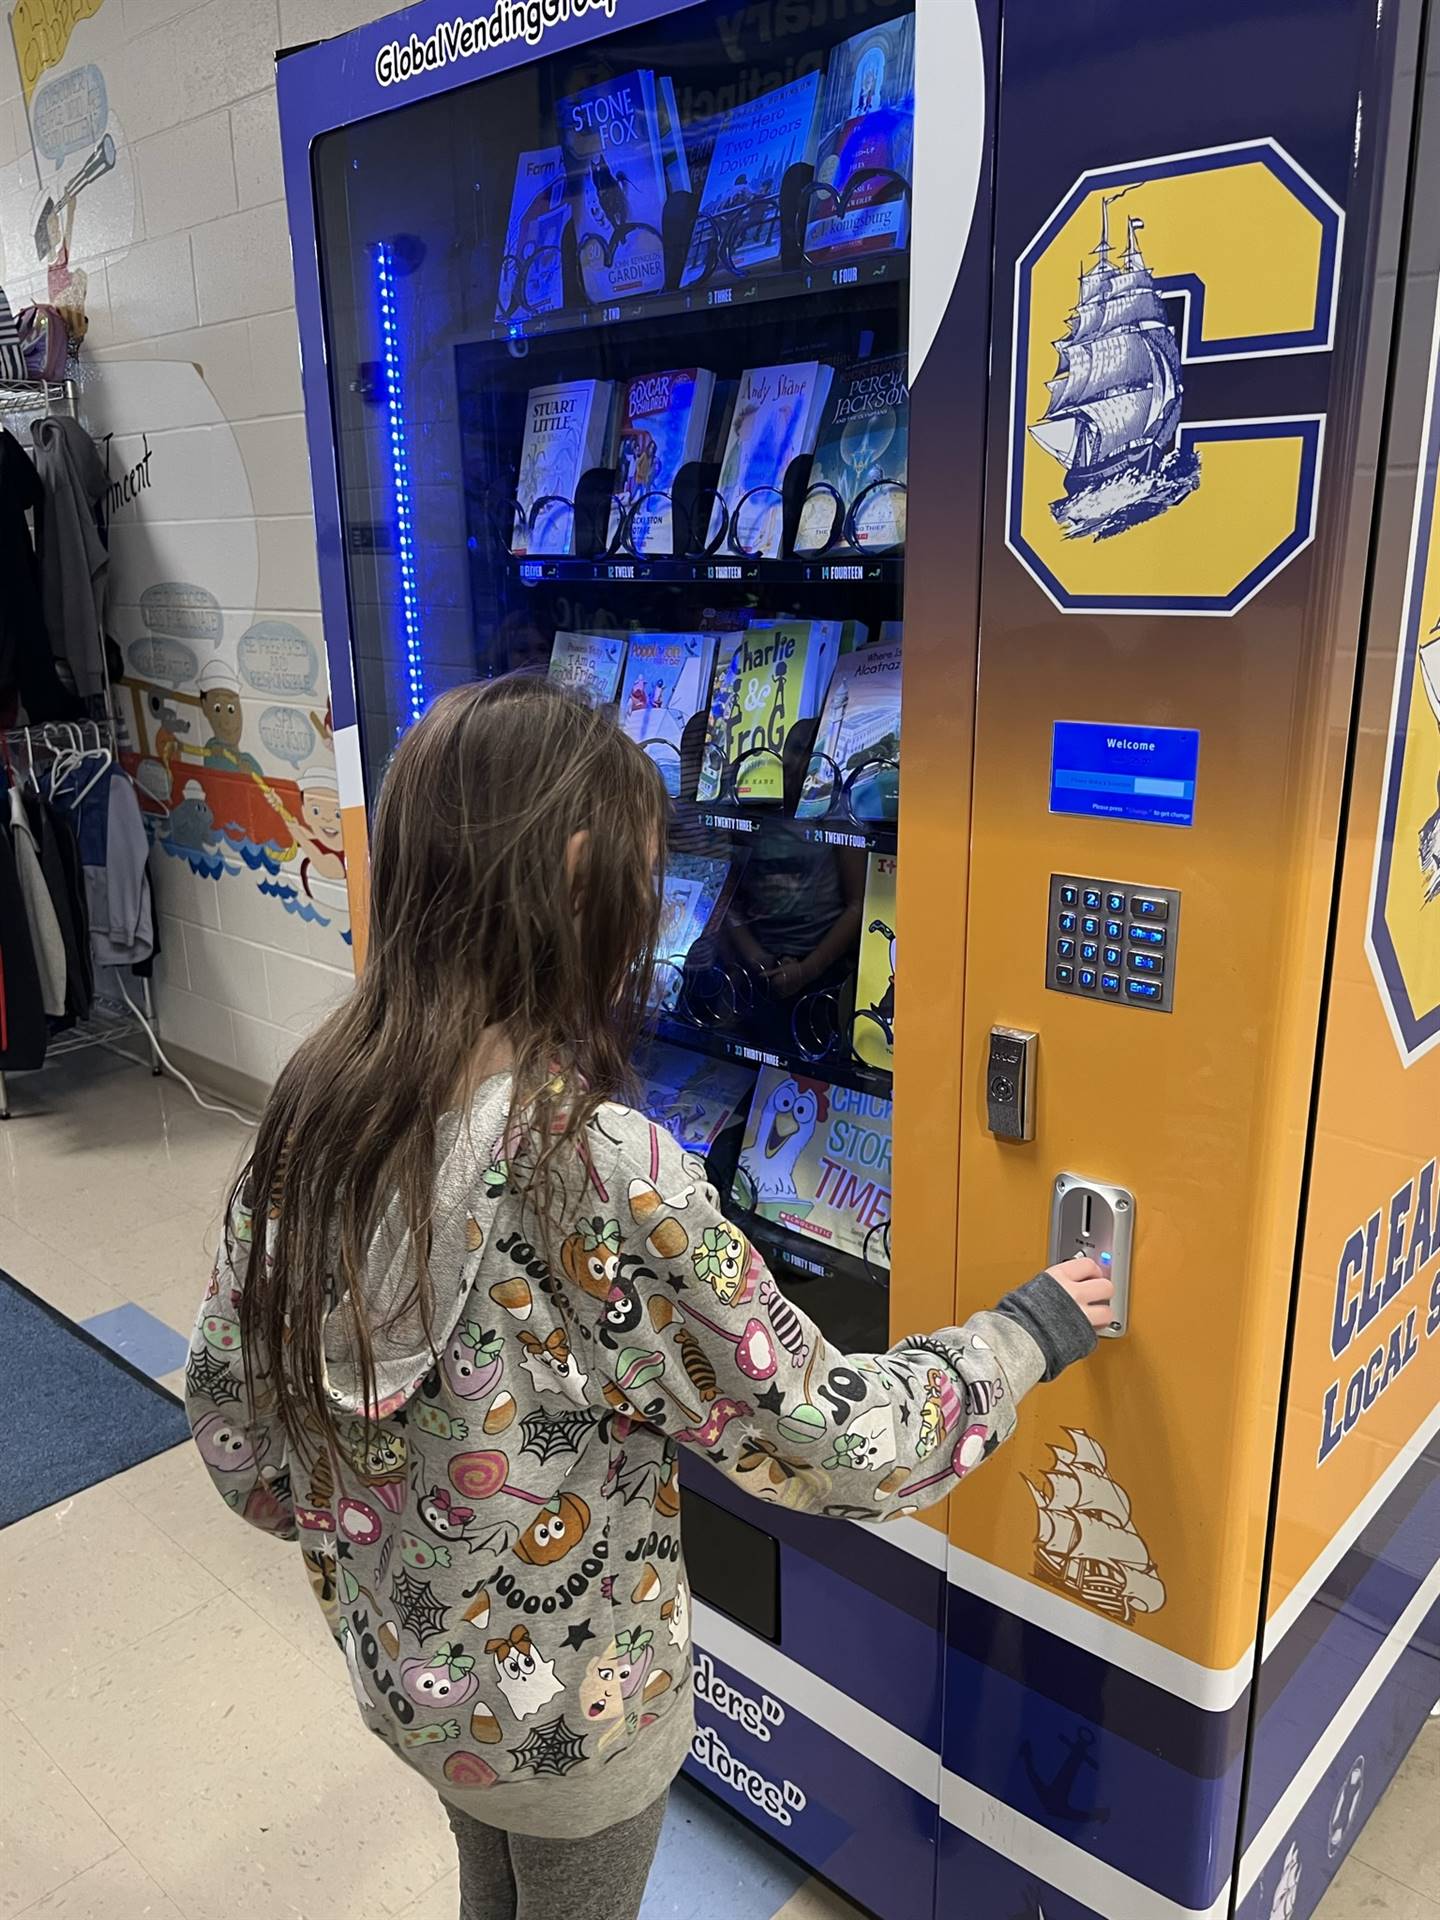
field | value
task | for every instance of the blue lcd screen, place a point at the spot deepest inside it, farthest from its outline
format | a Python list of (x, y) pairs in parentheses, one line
[(1125, 773)]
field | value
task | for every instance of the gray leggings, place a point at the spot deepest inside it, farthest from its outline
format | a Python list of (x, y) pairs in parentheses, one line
[(511, 1876)]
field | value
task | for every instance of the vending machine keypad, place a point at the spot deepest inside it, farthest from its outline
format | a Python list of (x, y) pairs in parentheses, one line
[(1107, 940)]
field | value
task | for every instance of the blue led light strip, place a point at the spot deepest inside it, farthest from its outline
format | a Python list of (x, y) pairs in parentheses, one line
[(387, 283)]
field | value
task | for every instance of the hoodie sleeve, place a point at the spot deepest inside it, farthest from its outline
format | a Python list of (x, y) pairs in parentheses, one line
[(707, 1348), (241, 1440)]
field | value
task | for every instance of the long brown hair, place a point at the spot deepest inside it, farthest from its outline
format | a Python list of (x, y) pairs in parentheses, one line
[(485, 921)]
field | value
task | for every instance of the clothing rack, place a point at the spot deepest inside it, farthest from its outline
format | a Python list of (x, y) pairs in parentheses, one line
[(108, 1024), (37, 396)]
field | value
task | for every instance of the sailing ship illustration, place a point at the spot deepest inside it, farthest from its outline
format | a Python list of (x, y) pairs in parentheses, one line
[(1429, 662), (1114, 414), (1086, 1542), (1287, 1892)]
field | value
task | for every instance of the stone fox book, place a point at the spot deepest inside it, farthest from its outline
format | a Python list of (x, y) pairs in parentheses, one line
[(565, 433), (766, 679), (531, 273), (816, 1160), (660, 428), (867, 145), (667, 681), (615, 161), (775, 419), (737, 230), (859, 475)]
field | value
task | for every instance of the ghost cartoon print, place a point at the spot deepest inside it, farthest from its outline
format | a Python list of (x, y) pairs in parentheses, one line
[(525, 1676)]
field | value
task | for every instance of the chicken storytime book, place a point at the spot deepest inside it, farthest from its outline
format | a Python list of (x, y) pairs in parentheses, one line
[(695, 887), (531, 274), (864, 443), (693, 1098), (766, 679), (867, 128), (816, 1159), (874, 1029), (860, 724), (775, 419), (660, 426), (738, 224), (589, 664), (616, 166), (566, 428), (667, 680)]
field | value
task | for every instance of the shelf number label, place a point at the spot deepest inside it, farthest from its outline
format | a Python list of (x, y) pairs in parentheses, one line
[(847, 276), (725, 573), (611, 313), (621, 573), (721, 296), (844, 573)]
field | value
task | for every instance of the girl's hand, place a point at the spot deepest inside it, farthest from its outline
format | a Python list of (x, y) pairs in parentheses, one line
[(1090, 1287)]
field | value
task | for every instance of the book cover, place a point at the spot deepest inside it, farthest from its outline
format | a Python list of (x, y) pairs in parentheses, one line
[(860, 723), (589, 664), (672, 137), (755, 148), (660, 427), (693, 1098), (874, 1028), (565, 433), (867, 128), (816, 1160), (695, 888), (862, 454), (667, 681), (531, 273), (616, 170), (775, 420), (766, 679)]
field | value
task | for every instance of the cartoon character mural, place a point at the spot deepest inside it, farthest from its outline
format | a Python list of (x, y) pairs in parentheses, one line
[(787, 1126)]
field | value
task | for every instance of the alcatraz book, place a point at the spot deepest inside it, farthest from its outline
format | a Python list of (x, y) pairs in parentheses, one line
[(738, 228), (867, 132), (861, 464), (860, 724), (565, 433), (616, 166), (661, 427)]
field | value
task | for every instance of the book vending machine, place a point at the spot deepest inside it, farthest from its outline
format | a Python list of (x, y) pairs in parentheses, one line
[(629, 328)]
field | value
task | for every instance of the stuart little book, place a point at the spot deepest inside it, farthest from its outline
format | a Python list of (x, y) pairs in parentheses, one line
[(565, 433), (531, 273), (775, 419), (693, 1098), (667, 680), (861, 467), (873, 1032), (737, 230), (588, 663), (859, 739), (867, 145), (616, 168), (661, 427), (816, 1160)]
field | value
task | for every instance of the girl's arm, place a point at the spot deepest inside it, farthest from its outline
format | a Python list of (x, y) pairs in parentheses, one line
[(240, 1439), (720, 1360)]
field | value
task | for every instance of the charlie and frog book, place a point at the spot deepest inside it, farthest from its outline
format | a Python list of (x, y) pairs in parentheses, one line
[(766, 679), (861, 463), (817, 1161), (660, 427), (667, 680), (616, 165), (693, 1098), (531, 273), (737, 230), (867, 136), (775, 419)]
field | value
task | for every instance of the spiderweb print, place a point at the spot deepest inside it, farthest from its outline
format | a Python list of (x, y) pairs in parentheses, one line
[(204, 1374), (416, 1607), (547, 1434), (552, 1748)]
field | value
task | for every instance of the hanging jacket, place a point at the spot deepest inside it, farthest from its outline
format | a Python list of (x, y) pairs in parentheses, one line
[(45, 938), (27, 666), (79, 967), (43, 832), (121, 922), (74, 561), (23, 1033)]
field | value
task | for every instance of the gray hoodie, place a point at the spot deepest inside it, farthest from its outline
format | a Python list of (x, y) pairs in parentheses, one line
[(501, 1562), (74, 560)]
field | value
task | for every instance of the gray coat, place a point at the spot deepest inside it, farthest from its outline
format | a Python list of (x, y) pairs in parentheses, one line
[(74, 560)]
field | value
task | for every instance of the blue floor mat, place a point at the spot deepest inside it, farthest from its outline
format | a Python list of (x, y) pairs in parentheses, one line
[(79, 1412)]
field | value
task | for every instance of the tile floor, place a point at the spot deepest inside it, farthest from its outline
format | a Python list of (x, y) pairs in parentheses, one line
[(176, 1741)]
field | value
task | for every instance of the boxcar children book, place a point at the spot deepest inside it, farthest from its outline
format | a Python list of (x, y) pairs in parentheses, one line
[(816, 1160), (863, 169), (738, 228), (858, 478), (616, 167), (660, 427)]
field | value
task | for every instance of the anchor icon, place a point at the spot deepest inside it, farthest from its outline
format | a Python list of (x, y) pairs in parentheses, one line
[(1055, 1795)]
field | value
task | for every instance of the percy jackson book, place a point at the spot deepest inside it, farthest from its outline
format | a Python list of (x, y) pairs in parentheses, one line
[(616, 167), (859, 475), (737, 229), (816, 1160), (661, 426), (531, 274), (867, 145)]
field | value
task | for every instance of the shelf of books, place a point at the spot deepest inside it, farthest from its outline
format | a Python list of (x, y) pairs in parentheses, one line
[(668, 373)]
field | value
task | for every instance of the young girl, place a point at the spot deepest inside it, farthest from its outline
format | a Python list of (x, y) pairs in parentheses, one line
[(469, 1308)]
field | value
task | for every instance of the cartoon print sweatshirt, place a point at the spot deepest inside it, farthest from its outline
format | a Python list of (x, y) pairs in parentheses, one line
[(500, 1558)]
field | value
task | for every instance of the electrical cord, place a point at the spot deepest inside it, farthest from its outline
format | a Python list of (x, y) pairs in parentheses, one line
[(170, 1067)]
